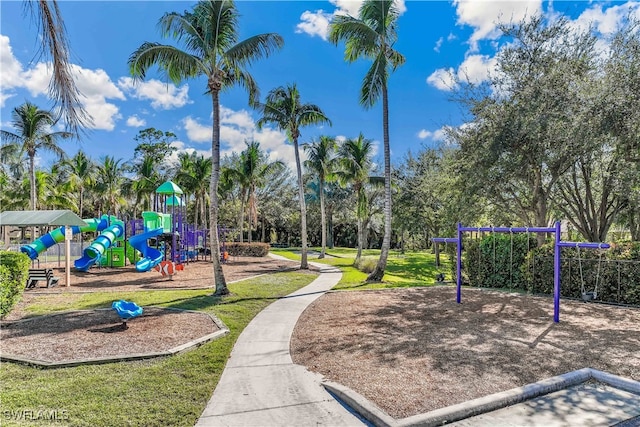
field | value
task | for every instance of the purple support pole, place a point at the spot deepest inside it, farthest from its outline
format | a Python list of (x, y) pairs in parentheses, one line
[(459, 266), (556, 276)]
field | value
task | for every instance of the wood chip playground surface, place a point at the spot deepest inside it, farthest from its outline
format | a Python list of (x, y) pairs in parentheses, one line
[(415, 350)]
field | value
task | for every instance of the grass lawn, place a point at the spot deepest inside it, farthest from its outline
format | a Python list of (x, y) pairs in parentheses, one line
[(171, 391), (403, 270)]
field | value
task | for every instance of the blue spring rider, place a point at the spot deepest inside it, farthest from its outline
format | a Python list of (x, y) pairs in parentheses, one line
[(126, 310)]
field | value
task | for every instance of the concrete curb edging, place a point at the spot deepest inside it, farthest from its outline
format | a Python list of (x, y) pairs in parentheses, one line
[(223, 330), (380, 418), (360, 404)]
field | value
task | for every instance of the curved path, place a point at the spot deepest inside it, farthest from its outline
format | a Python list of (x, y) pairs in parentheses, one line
[(261, 386)]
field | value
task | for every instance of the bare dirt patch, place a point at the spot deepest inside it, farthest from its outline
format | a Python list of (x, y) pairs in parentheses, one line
[(91, 334), (196, 275), (415, 350)]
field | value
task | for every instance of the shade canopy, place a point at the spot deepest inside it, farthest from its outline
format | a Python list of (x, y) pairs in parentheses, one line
[(36, 218), (174, 201), (169, 187)]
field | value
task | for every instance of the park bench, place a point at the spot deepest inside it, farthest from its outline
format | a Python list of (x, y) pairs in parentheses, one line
[(44, 274)]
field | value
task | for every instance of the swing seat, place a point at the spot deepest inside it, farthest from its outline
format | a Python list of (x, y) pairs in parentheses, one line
[(589, 296), (440, 277)]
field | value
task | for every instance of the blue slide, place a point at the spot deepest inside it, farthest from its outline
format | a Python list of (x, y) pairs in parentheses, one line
[(150, 256), (94, 251)]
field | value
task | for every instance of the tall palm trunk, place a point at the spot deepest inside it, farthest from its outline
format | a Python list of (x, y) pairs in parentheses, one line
[(241, 220), (220, 282), (32, 189), (303, 208), (323, 220), (32, 184), (81, 200), (377, 274)]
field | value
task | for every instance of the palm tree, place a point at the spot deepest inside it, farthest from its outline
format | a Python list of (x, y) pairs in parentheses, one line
[(34, 134), (255, 169), (109, 183), (210, 36), (81, 172), (372, 35), (284, 108), (193, 176), (355, 161), (320, 155), (63, 89), (146, 180)]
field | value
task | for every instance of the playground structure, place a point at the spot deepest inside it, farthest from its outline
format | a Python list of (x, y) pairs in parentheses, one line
[(161, 235), (559, 244)]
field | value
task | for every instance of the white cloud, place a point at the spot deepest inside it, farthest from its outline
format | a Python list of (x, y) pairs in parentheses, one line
[(11, 70), (438, 44), (195, 131), (442, 79), (317, 23), (135, 121), (436, 135), (95, 87), (162, 95), (607, 21), (237, 127), (181, 147), (476, 68), (314, 23), (483, 15)]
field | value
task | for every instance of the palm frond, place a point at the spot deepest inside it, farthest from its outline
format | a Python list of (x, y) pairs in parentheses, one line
[(311, 114), (62, 87), (256, 47), (217, 23), (374, 82), (175, 63), (234, 75), (380, 15), (360, 39)]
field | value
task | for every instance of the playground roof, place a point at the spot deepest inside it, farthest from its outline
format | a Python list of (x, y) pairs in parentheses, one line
[(169, 187), (33, 218)]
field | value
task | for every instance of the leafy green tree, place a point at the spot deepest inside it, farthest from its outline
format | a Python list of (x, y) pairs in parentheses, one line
[(81, 173), (155, 145), (521, 137), (209, 34), (284, 108), (372, 35), (33, 134), (321, 161), (355, 164)]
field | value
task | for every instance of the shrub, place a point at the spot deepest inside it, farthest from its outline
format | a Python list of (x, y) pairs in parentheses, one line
[(366, 264), (616, 272), (496, 260), (247, 249), (14, 268)]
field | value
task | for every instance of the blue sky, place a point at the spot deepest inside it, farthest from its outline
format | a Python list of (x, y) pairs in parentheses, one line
[(436, 37)]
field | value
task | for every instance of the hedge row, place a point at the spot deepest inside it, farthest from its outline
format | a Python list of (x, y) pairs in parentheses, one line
[(247, 249), (14, 269), (513, 261), (615, 272)]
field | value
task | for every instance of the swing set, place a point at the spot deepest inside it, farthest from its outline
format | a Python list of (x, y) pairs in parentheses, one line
[(559, 244)]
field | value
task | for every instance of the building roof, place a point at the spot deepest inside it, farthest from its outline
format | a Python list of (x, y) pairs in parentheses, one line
[(33, 218)]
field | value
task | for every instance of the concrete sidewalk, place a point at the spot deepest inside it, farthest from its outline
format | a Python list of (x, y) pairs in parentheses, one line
[(261, 386)]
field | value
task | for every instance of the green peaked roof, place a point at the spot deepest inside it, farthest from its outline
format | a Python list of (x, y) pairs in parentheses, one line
[(169, 187), (174, 201)]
